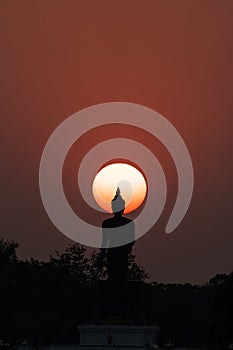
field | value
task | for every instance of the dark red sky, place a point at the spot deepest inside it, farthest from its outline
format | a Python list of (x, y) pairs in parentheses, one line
[(176, 57)]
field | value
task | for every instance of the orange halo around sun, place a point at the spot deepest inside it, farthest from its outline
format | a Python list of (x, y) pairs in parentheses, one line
[(129, 179)]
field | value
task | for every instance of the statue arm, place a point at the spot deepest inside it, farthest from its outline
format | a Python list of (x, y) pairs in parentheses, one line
[(105, 240)]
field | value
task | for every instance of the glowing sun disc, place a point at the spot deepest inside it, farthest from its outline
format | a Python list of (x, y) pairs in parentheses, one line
[(129, 179)]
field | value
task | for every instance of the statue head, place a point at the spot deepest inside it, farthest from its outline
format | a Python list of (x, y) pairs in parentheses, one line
[(118, 203)]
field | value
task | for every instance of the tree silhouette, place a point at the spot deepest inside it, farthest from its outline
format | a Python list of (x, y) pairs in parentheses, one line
[(8, 252), (73, 261), (43, 302), (222, 312)]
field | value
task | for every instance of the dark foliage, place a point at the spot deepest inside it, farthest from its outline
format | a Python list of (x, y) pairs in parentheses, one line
[(43, 302)]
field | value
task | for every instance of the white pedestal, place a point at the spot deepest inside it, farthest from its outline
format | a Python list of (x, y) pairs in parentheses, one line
[(92, 335)]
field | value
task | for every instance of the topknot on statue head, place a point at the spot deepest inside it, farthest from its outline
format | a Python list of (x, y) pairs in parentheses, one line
[(118, 203)]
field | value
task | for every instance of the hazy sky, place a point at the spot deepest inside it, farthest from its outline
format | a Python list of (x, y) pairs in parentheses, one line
[(176, 57)]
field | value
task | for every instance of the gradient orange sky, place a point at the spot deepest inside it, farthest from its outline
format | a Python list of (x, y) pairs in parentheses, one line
[(176, 57)]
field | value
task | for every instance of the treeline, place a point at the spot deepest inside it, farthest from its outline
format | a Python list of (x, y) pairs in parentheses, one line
[(43, 302)]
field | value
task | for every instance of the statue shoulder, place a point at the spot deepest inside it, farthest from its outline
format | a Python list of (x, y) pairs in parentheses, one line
[(107, 223), (128, 221), (112, 222)]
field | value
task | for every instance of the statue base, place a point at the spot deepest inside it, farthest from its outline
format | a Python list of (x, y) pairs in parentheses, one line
[(119, 304), (97, 336), (119, 319)]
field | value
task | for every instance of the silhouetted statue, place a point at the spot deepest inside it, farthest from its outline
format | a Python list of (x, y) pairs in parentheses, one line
[(123, 231)]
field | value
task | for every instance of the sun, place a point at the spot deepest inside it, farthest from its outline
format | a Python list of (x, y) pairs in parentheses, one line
[(129, 179)]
